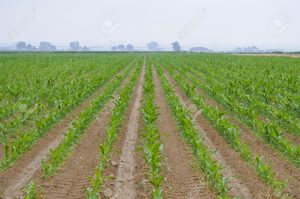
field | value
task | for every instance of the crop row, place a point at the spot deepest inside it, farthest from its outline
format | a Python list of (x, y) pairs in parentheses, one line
[(151, 140), (269, 132), (230, 133), (113, 128), (260, 99), (15, 147), (79, 125), (189, 132)]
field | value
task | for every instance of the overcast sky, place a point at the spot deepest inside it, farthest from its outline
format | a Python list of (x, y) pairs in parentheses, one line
[(216, 24)]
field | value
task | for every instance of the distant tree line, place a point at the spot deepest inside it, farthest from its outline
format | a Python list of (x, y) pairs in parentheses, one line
[(75, 46), (47, 46), (43, 46), (152, 46), (122, 47)]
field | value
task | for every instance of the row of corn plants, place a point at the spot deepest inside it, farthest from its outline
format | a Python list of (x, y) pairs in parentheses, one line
[(231, 134), (113, 128), (189, 132), (273, 79), (151, 140), (56, 91), (14, 148), (29, 79), (258, 98), (78, 127), (269, 132), (31, 191)]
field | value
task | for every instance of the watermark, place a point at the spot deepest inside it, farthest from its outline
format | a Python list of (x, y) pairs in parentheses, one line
[(194, 110), (108, 24), (191, 25), (277, 24), (24, 109), (23, 23)]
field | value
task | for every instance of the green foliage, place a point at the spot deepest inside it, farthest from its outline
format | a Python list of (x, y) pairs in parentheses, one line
[(72, 136), (117, 117), (151, 141), (268, 131), (31, 191), (231, 134), (38, 90), (188, 131)]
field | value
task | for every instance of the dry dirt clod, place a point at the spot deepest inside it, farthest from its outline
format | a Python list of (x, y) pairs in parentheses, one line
[(108, 193), (114, 163)]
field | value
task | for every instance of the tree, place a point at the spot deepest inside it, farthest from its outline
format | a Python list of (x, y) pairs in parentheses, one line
[(129, 47), (85, 48), (121, 47), (176, 46), (21, 45), (153, 46), (29, 47), (74, 45), (46, 46)]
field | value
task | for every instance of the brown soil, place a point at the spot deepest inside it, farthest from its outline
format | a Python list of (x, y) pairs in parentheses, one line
[(124, 184), (140, 170), (19, 175), (66, 120), (243, 179), (182, 179), (286, 134), (283, 168), (73, 178), (292, 138)]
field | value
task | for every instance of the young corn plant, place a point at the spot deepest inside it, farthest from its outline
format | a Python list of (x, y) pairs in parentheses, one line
[(231, 134), (31, 191), (267, 131), (151, 140), (113, 127), (74, 133), (189, 132), (49, 112)]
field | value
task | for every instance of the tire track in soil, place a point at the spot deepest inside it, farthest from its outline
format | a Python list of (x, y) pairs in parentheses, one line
[(183, 180), (143, 188), (243, 180), (124, 184), (283, 168), (24, 170)]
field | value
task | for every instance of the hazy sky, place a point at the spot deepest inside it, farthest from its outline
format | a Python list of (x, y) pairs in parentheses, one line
[(216, 24)]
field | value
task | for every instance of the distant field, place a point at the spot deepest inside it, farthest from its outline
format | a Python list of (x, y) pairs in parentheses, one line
[(274, 55), (149, 125)]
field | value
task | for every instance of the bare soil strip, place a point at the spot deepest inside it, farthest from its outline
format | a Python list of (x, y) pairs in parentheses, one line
[(125, 187), (183, 180), (243, 179), (283, 168), (19, 175)]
